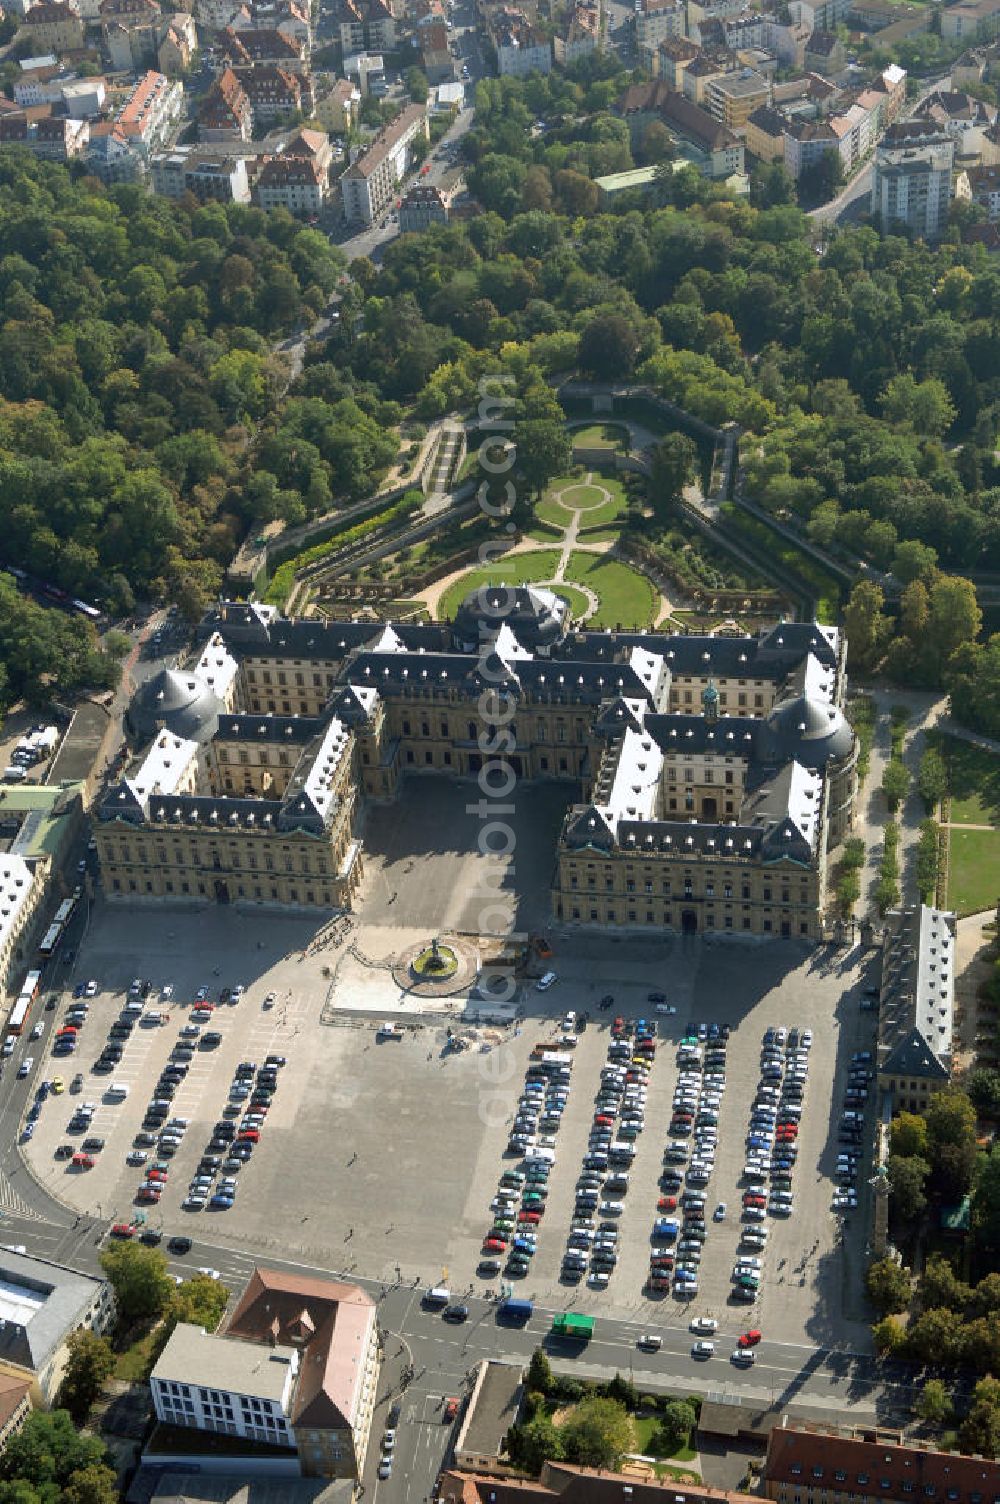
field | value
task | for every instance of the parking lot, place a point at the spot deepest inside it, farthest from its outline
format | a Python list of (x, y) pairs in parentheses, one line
[(384, 1156)]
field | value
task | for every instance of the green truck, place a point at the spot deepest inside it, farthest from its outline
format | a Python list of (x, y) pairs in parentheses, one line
[(578, 1328)]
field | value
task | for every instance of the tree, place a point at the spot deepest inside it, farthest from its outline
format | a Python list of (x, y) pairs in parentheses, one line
[(932, 779), (200, 1301), (986, 1202), (143, 1287), (675, 1428), (865, 624), (914, 560), (597, 1433), (924, 406), (888, 1285), (543, 451), (935, 1337), (608, 348), (973, 679), (980, 1430), (908, 1136), (95, 1484), (48, 1450), (895, 782), (91, 1362), (537, 1442), (539, 1375), (983, 1087), (933, 1404), (940, 1287), (955, 619), (417, 86), (673, 465), (888, 1335), (951, 1119), (908, 1177)]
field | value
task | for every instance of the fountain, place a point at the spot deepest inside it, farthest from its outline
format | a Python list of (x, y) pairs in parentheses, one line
[(435, 963)]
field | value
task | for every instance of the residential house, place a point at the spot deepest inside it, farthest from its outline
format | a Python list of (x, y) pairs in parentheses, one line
[(244, 48), (178, 43), (41, 1305), (129, 30), (520, 49), (295, 1370), (891, 83), (225, 114), (580, 35), (916, 1005), (369, 184), (765, 134), (856, 129), (53, 138), (112, 156), (55, 26), (806, 143), (984, 189), (276, 91), (698, 74), (963, 118), (976, 22), (825, 52), (338, 109), (84, 98), (971, 68), (671, 58), (719, 152), (818, 1464), (292, 183), (425, 204), (15, 1406), (40, 82), (822, 15), (217, 176), (369, 70), (732, 98), (287, 16), (365, 26)]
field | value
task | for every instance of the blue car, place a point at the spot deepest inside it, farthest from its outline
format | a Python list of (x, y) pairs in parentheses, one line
[(34, 1112), (685, 1277), (26, 1132), (524, 1245), (663, 1228), (42, 1091), (221, 1203)]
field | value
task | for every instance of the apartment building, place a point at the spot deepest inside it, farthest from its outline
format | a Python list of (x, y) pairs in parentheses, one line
[(111, 156), (369, 184), (916, 1005), (733, 98), (295, 1369), (671, 59), (292, 183), (765, 134), (912, 185), (565, 1483), (815, 1464), (825, 52), (252, 45), (720, 151), (365, 26), (698, 74), (580, 35), (226, 113), (657, 20), (427, 205), (150, 113), (52, 138), (210, 176), (520, 49)]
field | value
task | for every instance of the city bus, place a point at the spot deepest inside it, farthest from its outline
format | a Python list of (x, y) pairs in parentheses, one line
[(32, 983), (18, 1014), (50, 940)]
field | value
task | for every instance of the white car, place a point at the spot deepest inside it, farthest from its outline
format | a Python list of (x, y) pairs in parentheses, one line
[(545, 982), (704, 1324), (719, 1215), (650, 1342), (667, 1008), (91, 989), (743, 1357), (269, 1000), (612, 1208), (39, 1029), (8, 1047), (569, 1023), (210, 1273), (24, 1067), (703, 1350)]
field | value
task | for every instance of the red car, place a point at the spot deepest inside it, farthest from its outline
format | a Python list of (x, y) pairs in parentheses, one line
[(666, 1204), (603, 1119), (156, 1175), (788, 1132), (529, 1219), (146, 1193), (450, 1409), (248, 1135), (494, 1245), (750, 1339), (751, 1198), (659, 1282), (618, 1027), (123, 1230), (662, 1261), (68, 1033)]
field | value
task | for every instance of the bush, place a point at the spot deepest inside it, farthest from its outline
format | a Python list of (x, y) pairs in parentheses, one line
[(927, 860), (675, 1427), (284, 576)]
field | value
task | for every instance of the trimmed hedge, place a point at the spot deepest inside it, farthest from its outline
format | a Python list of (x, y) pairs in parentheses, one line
[(284, 576)]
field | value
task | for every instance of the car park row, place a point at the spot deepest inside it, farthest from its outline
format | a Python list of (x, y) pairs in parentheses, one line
[(678, 1240), (850, 1132), (619, 1118)]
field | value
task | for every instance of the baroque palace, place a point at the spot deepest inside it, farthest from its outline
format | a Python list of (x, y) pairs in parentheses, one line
[(717, 772)]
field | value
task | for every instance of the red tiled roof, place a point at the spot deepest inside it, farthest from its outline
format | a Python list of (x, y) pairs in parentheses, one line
[(798, 1457)]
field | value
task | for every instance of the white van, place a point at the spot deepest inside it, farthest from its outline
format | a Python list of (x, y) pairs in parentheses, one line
[(544, 983), (14, 775), (116, 1092), (540, 1157), (438, 1295), (154, 1016)]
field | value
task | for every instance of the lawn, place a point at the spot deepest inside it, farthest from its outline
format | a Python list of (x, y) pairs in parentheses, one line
[(600, 436), (578, 602), (973, 870), (646, 1427), (134, 1363), (974, 778), (581, 497), (601, 535), (626, 596), (517, 569), (549, 510)]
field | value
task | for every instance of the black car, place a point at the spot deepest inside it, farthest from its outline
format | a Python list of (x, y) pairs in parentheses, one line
[(277, 1060), (179, 1245), (456, 1313), (144, 1140), (150, 1236), (102, 1067), (210, 1041), (64, 1151)]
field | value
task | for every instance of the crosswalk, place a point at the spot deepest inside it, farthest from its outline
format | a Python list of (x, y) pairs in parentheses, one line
[(11, 1201)]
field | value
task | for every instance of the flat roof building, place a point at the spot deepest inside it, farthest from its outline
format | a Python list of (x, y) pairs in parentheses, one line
[(41, 1305)]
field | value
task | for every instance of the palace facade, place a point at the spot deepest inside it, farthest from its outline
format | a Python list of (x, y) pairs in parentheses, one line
[(716, 772)]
